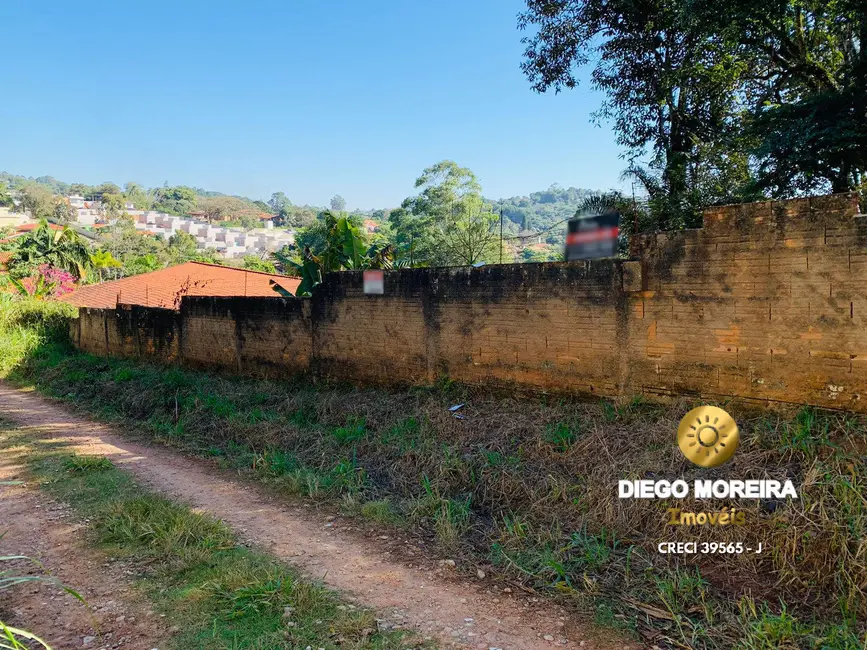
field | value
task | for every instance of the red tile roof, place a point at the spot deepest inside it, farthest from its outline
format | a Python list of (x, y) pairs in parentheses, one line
[(164, 288), (27, 227)]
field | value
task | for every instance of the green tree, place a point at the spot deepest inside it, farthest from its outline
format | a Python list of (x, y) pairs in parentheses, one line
[(37, 200), (136, 194), (256, 263), (112, 204), (179, 200), (450, 203), (671, 92), (138, 264), (5, 197), (280, 204), (219, 208), (62, 249), (106, 188), (805, 78), (105, 265), (63, 211), (81, 189), (338, 203)]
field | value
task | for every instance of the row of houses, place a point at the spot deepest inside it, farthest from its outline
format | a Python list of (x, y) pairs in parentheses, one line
[(229, 242)]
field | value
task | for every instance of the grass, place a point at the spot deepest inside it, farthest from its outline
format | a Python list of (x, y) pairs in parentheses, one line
[(218, 593), (529, 487)]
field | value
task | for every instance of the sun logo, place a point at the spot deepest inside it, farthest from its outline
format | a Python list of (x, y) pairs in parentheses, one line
[(708, 436)]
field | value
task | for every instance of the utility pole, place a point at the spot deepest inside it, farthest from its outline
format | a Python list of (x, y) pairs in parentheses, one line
[(501, 235)]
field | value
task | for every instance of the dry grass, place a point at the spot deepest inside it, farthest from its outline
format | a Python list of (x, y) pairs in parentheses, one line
[(530, 486)]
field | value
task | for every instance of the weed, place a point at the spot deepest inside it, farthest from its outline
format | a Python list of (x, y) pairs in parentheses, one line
[(561, 436), (382, 512), (87, 464), (216, 593), (353, 431)]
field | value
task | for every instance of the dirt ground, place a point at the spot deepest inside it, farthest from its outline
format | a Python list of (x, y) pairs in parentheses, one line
[(425, 595), (115, 615)]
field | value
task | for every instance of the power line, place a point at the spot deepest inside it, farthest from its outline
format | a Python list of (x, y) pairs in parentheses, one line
[(541, 232)]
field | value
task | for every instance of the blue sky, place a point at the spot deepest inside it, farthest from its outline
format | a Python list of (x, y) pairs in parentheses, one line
[(308, 97)]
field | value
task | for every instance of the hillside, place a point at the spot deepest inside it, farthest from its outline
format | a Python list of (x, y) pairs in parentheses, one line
[(538, 211)]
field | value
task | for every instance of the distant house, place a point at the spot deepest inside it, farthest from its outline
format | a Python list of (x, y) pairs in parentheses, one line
[(166, 287), (371, 226)]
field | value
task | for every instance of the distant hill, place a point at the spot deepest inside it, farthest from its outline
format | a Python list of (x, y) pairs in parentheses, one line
[(542, 210), (537, 212)]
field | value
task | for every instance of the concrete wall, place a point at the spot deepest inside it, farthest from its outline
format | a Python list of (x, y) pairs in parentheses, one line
[(768, 302)]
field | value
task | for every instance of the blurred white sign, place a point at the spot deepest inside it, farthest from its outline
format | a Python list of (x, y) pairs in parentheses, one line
[(374, 282)]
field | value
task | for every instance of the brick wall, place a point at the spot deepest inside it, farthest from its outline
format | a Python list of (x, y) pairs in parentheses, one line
[(767, 301)]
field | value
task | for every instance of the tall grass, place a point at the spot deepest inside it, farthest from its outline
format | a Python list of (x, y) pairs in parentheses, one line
[(216, 593), (26, 324), (529, 487)]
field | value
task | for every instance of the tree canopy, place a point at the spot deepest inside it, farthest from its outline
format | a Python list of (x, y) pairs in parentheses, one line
[(715, 102)]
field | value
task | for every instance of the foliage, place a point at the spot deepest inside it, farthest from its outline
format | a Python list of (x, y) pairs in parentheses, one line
[(48, 282), (112, 204), (521, 489), (62, 249), (105, 265), (454, 222), (5, 196), (136, 194), (27, 324), (221, 208), (37, 200), (337, 203), (179, 200), (805, 77), (256, 263), (729, 101), (669, 92), (340, 245)]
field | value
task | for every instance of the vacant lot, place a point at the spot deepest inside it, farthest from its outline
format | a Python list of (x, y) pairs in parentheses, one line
[(525, 490)]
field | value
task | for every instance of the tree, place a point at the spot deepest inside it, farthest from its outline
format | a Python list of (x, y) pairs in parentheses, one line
[(179, 200), (81, 189), (451, 203), (135, 194), (63, 211), (182, 247), (671, 92), (5, 197), (344, 247), (219, 208), (105, 265), (256, 263), (279, 204), (113, 204), (106, 188), (60, 249), (338, 203), (805, 77), (37, 200)]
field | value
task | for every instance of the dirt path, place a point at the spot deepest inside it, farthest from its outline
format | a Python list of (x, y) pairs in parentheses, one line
[(416, 596), (115, 616)]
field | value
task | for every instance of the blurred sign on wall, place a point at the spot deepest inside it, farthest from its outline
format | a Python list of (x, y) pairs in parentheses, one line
[(374, 282), (593, 237)]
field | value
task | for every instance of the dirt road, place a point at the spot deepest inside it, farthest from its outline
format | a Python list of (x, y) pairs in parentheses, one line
[(115, 616), (450, 610)]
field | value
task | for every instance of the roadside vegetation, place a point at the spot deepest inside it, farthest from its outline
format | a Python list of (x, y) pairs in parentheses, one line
[(215, 592), (526, 490)]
